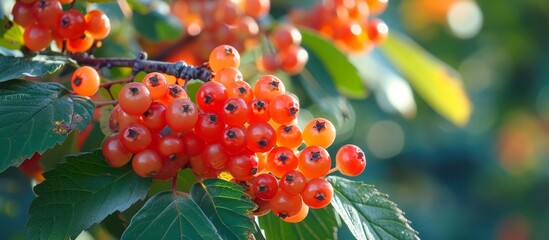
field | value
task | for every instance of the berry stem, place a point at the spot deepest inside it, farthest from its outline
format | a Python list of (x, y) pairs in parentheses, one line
[(99, 104), (174, 184), (335, 169), (110, 83), (178, 69)]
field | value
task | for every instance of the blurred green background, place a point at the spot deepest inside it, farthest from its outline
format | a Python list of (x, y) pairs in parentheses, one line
[(487, 180)]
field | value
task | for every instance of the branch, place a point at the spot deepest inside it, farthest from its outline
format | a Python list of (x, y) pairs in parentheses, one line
[(178, 69)]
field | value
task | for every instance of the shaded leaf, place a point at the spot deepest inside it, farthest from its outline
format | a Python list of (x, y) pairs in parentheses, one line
[(40, 65), (158, 24), (319, 224), (437, 83), (79, 193), (342, 72), (35, 116), (368, 213), (170, 216), (227, 206)]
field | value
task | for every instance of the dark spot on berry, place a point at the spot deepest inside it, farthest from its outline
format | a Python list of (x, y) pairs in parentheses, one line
[(42, 4), (172, 157), (230, 107), (320, 197), (186, 108), (319, 125), (283, 158), (228, 50), (147, 113), (289, 178), (282, 215), (65, 22), (208, 99), (274, 84), (262, 143), (253, 171), (242, 90), (151, 174), (134, 91), (293, 111), (314, 156), (77, 81), (213, 118), (154, 81), (132, 134), (360, 154), (174, 91), (262, 188), (288, 129), (231, 134), (260, 105)]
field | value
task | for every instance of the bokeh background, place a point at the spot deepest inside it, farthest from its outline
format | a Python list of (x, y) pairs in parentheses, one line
[(486, 180)]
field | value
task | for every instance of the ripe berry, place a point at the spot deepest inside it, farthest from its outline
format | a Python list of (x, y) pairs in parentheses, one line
[(317, 193), (193, 145), (209, 127), (241, 89), (157, 85), (37, 37), (268, 63), (289, 136), (181, 115), (284, 205), (198, 166), (350, 160), (71, 24), (377, 30), (147, 163), (85, 81), (214, 157), (302, 214), (259, 111), (285, 36), (211, 96), (257, 8), (243, 166), (123, 119), (268, 87), (134, 98), (293, 59), (98, 24), (284, 109), (265, 186), (154, 118), (260, 137), (281, 160), (113, 151), (224, 56), (23, 14), (170, 146), (47, 12), (377, 6), (80, 44), (235, 112), (293, 182), (314, 161), (320, 132), (262, 207), (234, 140), (174, 92), (227, 76), (135, 137)]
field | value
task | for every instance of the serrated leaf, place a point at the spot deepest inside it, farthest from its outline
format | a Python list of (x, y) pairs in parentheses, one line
[(79, 193), (158, 24), (11, 35), (433, 80), (319, 224), (368, 213), (170, 216), (35, 116), (342, 72), (40, 65), (226, 205)]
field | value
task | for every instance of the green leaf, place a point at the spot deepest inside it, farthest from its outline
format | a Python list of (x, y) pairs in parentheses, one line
[(170, 216), (436, 82), (319, 224), (368, 213), (185, 180), (35, 116), (40, 65), (158, 24), (11, 35), (343, 73), (79, 193), (227, 206)]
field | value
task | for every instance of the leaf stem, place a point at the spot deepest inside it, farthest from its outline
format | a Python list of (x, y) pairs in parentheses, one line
[(174, 184), (99, 104)]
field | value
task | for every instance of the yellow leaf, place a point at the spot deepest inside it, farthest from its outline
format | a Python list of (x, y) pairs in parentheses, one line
[(433, 80)]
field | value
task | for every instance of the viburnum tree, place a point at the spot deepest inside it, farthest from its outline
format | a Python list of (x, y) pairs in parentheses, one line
[(201, 142)]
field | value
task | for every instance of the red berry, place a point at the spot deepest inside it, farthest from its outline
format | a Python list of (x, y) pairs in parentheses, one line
[(135, 137), (317, 193), (284, 109), (235, 112), (293, 182), (281, 160), (260, 137), (350, 160), (211, 96), (147, 163), (113, 151), (314, 161), (265, 186), (181, 115), (243, 166), (134, 98), (71, 24), (285, 205)]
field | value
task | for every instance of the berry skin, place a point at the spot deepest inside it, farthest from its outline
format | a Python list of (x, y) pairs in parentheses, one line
[(285, 36), (135, 137), (36, 37), (98, 24), (284, 205), (71, 24), (157, 85), (243, 166), (289, 136), (234, 140), (320, 132), (147, 163), (211, 96), (235, 112), (209, 127), (224, 56), (350, 160), (268, 87), (302, 214), (314, 161), (23, 14), (134, 98), (260, 137), (228, 76), (284, 109), (47, 12), (80, 44), (214, 157), (281, 160), (85, 81), (293, 182), (317, 193), (265, 186), (293, 59), (259, 111), (154, 118), (257, 8), (377, 30), (113, 151), (268, 63), (123, 119), (181, 115), (193, 145), (262, 207), (174, 92), (241, 89), (169, 146)]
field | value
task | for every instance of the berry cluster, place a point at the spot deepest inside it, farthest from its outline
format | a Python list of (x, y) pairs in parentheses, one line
[(45, 20), (249, 133), (289, 56), (350, 23)]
